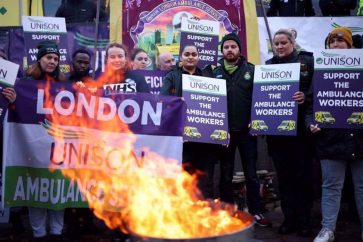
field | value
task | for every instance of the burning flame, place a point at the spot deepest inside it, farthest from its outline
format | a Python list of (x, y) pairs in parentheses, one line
[(148, 195)]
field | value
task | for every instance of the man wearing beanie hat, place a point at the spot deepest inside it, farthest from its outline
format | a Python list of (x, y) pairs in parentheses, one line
[(238, 74), (339, 35), (231, 36)]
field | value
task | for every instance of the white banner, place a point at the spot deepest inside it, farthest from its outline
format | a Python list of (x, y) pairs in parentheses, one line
[(311, 31), (44, 24), (8, 72)]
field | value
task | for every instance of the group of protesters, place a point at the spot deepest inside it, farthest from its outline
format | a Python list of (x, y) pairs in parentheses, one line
[(292, 155)]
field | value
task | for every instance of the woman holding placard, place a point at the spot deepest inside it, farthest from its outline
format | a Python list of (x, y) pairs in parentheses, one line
[(198, 158), (335, 148), (292, 154)]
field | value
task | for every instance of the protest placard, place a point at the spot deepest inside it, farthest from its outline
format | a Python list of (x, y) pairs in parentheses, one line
[(207, 119), (338, 88), (274, 112)]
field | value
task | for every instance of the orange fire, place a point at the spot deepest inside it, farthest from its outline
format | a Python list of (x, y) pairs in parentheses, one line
[(148, 195)]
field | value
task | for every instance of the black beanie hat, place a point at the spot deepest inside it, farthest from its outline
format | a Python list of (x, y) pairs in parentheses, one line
[(47, 47), (231, 36)]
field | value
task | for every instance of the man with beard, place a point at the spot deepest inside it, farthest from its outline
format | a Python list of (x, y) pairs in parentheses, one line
[(81, 59), (79, 220), (80, 11), (238, 74)]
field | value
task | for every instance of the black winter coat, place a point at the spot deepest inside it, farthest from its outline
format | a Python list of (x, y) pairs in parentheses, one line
[(336, 144), (172, 83), (337, 7), (301, 144), (80, 12), (291, 8), (239, 93), (339, 144), (192, 152), (134, 83)]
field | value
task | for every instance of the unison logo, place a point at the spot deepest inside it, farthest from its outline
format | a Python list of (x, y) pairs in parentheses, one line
[(201, 85), (195, 25), (338, 60), (40, 25), (271, 73), (62, 133)]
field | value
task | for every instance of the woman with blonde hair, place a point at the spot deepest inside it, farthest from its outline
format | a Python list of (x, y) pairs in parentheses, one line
[(292, 155)]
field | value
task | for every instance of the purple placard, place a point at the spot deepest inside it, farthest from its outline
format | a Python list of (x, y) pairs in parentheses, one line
[(146, 113), (273, 111), (33, 39), (267, 117), (154, 79), (80, 36), (338, 98), (207, 46), (206, 116)]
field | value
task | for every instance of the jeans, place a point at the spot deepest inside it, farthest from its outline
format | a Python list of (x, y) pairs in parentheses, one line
[(333, 175), (38, 217), (247, 147)]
